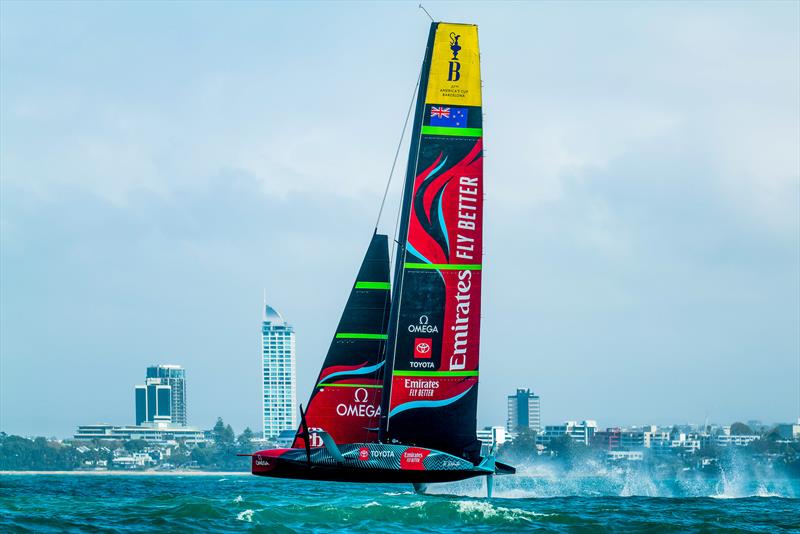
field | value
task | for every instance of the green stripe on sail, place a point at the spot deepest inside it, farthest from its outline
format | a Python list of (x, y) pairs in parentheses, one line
[(371, 386), (456, 132), (435, 373), (350, 335), (372, 285), (445, 266)]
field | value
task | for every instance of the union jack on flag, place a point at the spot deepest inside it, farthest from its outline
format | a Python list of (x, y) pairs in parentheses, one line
[(441, 113)]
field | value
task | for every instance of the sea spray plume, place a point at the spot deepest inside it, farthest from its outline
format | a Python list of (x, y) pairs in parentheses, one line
[(734, 473)]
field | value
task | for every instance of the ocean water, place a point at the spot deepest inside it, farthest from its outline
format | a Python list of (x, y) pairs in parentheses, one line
[(223, 502)]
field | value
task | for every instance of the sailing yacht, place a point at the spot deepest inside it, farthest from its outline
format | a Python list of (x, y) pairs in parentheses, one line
[(397, 395)]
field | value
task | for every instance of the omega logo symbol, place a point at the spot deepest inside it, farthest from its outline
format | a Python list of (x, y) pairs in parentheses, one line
[(423, 327), (361, 406)]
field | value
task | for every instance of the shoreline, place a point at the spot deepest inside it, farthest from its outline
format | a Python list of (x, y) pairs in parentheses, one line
[(130, 473)]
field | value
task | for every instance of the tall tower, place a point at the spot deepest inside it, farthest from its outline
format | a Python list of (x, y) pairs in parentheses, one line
[(524, 411), (162, 398), (279, 373)]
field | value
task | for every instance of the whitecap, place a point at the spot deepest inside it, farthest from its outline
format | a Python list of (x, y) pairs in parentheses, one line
[(488, 510), (247, 515)]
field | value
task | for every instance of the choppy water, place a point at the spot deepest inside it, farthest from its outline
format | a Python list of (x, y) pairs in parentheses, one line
[(236, 503)]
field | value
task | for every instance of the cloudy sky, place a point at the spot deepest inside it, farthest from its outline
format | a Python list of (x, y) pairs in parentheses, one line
[(162, 163)]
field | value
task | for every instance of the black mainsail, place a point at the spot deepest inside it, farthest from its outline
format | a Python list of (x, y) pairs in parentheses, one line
[(431, 382)]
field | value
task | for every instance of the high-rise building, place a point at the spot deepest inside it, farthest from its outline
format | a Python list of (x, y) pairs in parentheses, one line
[(278, 374), (173, 376), (162, 398), (524, 411)]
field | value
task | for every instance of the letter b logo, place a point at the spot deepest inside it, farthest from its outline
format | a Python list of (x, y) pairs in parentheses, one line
[(452, 74)]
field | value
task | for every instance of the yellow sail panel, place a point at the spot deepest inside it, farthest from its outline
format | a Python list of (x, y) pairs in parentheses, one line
[(455, 75)]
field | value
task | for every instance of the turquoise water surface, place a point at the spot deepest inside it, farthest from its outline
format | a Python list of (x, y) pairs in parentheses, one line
[(209, 503)]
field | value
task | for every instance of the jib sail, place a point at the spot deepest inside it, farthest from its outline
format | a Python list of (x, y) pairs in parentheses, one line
[(431, 385), (345, 401)]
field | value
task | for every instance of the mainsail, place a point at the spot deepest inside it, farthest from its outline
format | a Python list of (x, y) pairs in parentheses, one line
[(431, 383), (346, 398)]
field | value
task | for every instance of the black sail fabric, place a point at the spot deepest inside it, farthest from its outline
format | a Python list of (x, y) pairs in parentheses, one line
[(346, 398)]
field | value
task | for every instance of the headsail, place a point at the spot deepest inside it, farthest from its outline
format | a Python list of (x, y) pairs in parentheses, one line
[(430, 395), (345, 401)]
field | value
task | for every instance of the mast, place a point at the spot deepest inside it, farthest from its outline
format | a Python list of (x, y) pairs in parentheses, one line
[(402, 234), (430, 393)]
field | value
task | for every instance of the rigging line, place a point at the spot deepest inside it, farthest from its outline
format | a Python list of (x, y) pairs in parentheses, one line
[(398, 291), (426, 12), (387, 301), (397, 152)]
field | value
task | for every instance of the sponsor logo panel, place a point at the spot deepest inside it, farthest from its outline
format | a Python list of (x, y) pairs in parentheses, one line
[(449, 232), (412, 459), (344, 412), (407, 389), (423, 347), (455, 76)]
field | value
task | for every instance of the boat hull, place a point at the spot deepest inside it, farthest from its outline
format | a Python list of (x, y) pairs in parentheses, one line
[(366, 462)]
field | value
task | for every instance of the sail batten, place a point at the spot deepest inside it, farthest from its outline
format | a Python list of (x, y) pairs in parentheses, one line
[(431, 378)]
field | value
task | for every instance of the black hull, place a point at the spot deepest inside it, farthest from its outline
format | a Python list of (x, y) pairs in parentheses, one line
[(368, 462), (292, 470)]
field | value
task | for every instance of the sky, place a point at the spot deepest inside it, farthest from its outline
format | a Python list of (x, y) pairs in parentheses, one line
[(162, 164)]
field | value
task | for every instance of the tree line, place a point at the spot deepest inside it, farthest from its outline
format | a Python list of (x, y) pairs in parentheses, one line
[(40, 454)]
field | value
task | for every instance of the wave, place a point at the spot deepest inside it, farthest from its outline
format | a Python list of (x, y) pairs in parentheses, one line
[(552, 500)]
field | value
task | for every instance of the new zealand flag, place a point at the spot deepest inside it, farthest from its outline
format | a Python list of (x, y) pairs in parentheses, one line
[(449, 116)]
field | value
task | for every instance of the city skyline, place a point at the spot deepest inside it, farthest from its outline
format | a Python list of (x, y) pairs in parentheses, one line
[(641, 215)]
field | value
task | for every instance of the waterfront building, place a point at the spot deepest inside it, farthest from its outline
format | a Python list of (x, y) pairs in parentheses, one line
[(626, 456), (152, 432), (632, 439), (724, 440), (135, 460), (492, 437), (607, 439), (789, 431), (524, 411), (285, 438), (162, 398), (279, 381), (582, 432)]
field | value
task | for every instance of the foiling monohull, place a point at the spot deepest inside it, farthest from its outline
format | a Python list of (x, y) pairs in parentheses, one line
[(397, 395)]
